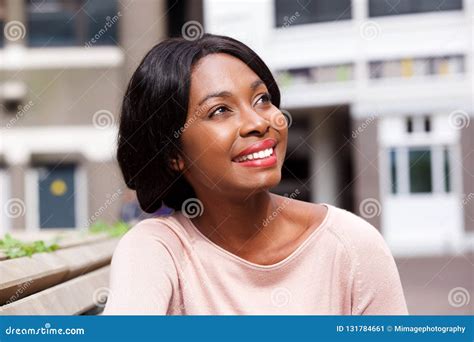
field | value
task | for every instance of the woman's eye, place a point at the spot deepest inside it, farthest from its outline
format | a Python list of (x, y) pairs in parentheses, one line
[(265, 98), (218, 111)]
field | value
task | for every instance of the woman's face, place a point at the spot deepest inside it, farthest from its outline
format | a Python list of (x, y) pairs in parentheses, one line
[(234, 139)]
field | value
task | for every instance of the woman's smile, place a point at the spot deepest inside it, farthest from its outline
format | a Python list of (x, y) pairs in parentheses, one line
[(259, 154)]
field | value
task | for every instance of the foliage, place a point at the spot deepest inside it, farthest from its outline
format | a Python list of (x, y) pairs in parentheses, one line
[(14, 248)]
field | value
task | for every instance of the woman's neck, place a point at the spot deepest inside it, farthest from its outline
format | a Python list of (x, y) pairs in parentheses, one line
[(240, 225)]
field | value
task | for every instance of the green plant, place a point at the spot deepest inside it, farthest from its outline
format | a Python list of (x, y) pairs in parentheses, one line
[(14, 248), (114, 230)]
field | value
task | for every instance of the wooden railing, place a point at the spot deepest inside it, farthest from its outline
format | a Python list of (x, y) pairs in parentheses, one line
[(72, 280)]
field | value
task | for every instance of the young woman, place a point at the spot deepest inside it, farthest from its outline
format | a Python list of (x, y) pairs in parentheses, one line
[(201, 132)]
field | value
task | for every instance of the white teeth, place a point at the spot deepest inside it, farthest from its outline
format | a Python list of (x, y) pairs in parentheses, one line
[(257, 155)]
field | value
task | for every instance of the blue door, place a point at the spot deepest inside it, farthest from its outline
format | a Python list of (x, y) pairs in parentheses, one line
[(57, 196)]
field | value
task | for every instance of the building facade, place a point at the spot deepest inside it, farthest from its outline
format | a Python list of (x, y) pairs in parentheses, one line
[(380, 97), (64, 65)]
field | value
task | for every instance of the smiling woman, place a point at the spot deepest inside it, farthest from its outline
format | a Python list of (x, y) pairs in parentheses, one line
[(201, 132)]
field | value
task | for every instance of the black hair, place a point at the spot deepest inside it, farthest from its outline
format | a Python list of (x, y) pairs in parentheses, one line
[(154, 110)]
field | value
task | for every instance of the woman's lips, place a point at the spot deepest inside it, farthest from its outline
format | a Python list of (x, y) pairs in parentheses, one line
[(266, 161), (257, 147)]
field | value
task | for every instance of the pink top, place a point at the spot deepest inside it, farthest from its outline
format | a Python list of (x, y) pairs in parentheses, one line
[(167, 266)]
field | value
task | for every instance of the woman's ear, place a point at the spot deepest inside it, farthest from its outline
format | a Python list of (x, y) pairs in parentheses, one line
[(177, 163)]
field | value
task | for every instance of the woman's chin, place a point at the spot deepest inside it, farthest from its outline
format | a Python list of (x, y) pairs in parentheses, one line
[(262, 183)]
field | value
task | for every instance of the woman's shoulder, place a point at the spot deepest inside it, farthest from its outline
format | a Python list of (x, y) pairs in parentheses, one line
[(356, 233), (164, 232), (376, 286)]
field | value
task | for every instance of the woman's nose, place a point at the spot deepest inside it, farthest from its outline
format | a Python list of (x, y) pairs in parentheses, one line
[(253, 123)]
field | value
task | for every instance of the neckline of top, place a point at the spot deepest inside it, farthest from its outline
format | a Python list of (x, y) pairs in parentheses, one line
[(316, 231)]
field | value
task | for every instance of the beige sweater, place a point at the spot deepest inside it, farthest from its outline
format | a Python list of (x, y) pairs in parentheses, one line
[(167, 266)]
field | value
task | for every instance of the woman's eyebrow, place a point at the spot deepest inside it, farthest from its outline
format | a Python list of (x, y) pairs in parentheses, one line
[(225, 93), (217, 94)]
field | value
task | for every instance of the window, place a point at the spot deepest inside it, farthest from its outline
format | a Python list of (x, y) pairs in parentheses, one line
[(290, 12), (393, 172), (415, 67), (418, 170), (409, 125), (378, 8), (418, 124), (72, 22), (317, 74), (427, 122), (447, 172)]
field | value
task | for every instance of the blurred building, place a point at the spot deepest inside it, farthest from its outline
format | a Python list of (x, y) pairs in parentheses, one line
[(64, 65), (380, 95)]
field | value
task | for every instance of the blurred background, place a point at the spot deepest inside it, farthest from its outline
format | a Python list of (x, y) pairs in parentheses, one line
[(378, 95)]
